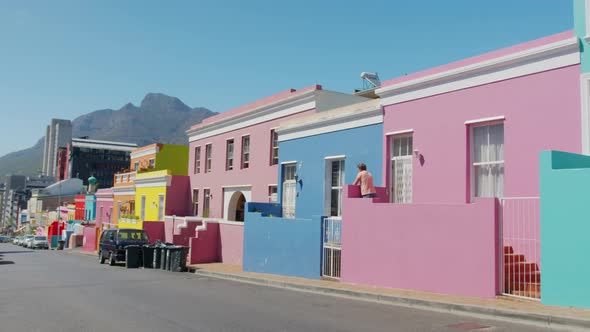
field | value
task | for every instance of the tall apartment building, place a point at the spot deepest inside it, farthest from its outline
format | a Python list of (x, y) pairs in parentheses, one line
[(57, 135)]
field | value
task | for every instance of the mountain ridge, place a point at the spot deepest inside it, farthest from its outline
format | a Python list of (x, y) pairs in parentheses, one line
[(159, 118)]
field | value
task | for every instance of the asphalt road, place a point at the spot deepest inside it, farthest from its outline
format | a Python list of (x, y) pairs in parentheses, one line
[(46, 291)]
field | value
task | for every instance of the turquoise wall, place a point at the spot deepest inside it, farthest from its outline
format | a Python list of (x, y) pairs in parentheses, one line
[(580, 30), (565, 229)]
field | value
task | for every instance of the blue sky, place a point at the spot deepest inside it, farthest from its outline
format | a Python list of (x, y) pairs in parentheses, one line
[(62, 59)]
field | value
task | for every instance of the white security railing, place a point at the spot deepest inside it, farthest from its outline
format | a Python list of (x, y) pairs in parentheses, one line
[(332, 247), (125, 177), (520, 247)]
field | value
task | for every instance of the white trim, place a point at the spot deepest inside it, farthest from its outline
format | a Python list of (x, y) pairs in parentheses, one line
[(585, 116), (155, 181), (289, 162), (146, 152), (245, 135), (237, 186), (542, 58), (400, 132), (273, 184), (342, 156), (124, 191), (323, 123), (300, 103), (490, 119)]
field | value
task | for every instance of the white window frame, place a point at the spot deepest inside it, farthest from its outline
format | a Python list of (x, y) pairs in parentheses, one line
[(405, 158), (161, 206), (208, 157), (152, 162), (288, 207), (229, 154), (142, 208), (197, 165), (273, 197), (477, 124), (195, 202), (245, 152), (329, 186), (274, 147), (206, 202)]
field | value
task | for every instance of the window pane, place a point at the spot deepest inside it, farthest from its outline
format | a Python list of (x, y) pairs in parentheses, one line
[(480, 144), (335, 202), (489, 180), (496, 139)]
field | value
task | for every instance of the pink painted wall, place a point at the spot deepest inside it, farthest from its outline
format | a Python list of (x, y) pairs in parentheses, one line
[(260, 174), (484, 57), (232, 243), (104, 204), (89, 241), (183, 234), (154, 230), (441, 248), (178, 196), (542, 112), (204, 248)]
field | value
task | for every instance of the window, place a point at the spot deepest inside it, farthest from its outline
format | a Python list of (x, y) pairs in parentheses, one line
[(488, 160), (401, 169), (142, 209), (335, 178), (274, 147), (152, 163), (161, 210), (100, 215), (208, 153), (206, 202), (245, 151), (229, 155), (272, 194), (289, 190), (195, 202), (197, 167), (136, 166), (120, 209)]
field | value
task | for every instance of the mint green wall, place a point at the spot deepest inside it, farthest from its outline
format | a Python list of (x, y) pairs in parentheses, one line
[(565, 229), (580, 30), (174, 158)]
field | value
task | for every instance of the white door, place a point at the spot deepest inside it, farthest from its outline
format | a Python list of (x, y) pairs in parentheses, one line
[(161, 208), (289, 190), (142, 211), (401, 169), (335, 181)]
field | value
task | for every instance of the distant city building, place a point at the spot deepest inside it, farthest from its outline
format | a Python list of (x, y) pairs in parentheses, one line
[(14, 196), (93, 158), (57, 135)]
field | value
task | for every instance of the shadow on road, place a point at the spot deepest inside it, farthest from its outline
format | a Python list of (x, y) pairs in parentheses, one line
[(6, 262), (15, 252)]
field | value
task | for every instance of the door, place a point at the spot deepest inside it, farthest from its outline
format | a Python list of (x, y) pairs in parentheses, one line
[(161, 204), (142, 211), (289, 190), (401, 169), (335, 182)]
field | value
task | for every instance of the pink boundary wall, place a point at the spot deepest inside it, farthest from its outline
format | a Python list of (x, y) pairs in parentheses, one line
[(441, 248), (232, 243), (89, 241)]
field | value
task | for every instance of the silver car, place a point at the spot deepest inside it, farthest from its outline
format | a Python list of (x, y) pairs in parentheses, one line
[(26, 240), (39, 242)]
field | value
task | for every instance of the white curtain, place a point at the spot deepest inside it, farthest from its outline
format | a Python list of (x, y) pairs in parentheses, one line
[(488, 159)]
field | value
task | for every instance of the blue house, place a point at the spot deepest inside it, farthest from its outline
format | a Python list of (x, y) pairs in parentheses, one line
[(318, 157)]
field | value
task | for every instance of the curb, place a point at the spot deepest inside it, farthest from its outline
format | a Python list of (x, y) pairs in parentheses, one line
[(525, 317)]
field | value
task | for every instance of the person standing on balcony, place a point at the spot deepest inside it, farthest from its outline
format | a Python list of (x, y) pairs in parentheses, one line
[(365, 180)]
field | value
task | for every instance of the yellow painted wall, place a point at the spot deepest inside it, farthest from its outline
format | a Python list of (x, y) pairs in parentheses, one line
[(151, 201), (138, 224)]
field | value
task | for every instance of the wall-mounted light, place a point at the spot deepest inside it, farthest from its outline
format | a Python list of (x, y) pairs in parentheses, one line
[(416, 153)]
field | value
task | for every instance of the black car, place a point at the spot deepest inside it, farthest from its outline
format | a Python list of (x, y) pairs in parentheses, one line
[(113, 242)]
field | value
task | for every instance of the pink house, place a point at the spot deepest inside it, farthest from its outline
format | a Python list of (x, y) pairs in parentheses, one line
[(234, 158), (461, 148)]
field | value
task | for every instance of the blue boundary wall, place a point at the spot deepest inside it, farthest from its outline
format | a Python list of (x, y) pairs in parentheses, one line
[(358, 145), (565, 229), (275, 245)]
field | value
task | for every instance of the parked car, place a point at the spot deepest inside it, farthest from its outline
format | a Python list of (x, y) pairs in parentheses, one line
[(27, 240), (113, 242), (16, 240), (39, 242), (4, 239)]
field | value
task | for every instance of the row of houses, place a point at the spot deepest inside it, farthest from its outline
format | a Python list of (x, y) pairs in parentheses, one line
[(455, 153)]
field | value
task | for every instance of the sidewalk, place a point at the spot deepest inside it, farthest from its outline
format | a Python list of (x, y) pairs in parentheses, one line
[(503, 308)]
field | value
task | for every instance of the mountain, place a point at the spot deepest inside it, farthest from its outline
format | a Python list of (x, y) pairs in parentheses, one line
[(159, 118)]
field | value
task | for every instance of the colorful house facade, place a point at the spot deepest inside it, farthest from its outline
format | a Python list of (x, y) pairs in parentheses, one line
[(319, 154)]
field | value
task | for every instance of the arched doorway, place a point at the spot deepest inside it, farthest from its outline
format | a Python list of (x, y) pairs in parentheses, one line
[(236, 207)]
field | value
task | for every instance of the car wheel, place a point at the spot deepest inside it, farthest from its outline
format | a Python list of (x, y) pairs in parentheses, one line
[(112, 260), (100, 258)]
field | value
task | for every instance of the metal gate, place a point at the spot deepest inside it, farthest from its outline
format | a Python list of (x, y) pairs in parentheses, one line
[(332, 247), (520, 247)]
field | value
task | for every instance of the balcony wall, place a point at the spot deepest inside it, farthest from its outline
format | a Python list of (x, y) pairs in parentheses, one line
[(441, 248)]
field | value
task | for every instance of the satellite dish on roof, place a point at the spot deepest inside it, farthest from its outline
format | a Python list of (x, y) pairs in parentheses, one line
[(370, 80)]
